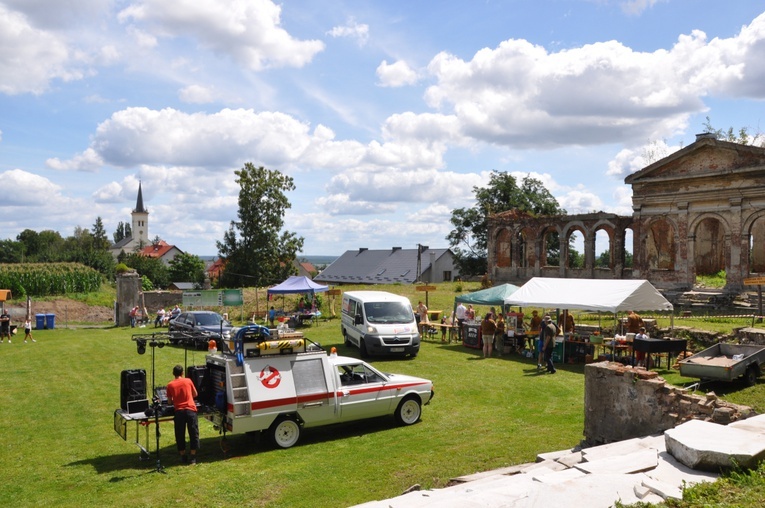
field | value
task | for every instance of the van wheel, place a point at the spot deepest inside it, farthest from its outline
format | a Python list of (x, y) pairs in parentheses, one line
[(285, 432), (408, 411), (363, 349), (346, 340), (751, 376)]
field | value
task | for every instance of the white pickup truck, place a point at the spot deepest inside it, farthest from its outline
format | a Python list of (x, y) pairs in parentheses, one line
[(279, 386)]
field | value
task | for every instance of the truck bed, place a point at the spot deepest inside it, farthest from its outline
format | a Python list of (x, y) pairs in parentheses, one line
[(723, 362)]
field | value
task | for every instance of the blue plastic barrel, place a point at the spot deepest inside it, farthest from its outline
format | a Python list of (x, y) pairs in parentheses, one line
[(50, 321), (39, 321)]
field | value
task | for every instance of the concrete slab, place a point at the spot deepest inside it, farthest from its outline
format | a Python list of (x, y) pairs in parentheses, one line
[(554, 455), (571, 459), (670, 470), (708, 446), (550, 465), (557, 476), (589, 491), (623, 447), (665, 490), (483, 474), (754, 424), (635, 462), (653, 499)]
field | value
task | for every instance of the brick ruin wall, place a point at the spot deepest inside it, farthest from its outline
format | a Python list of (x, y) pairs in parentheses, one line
[(623, 402)]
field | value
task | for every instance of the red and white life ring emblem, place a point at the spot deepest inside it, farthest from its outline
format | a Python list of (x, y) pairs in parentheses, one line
[(270, 377)]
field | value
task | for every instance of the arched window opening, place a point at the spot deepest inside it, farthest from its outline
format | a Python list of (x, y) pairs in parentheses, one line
[(575, 249), (551, 248), (604, 248), (504, 252), (757, 246), (660, 245), (709, 247)]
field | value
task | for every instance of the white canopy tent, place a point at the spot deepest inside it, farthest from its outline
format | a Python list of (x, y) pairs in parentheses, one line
[(609, 295)]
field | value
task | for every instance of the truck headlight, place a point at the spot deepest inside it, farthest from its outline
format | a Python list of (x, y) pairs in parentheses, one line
[(371, 329)]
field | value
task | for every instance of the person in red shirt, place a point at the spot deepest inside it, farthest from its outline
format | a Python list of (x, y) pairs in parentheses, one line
[(181, 392)]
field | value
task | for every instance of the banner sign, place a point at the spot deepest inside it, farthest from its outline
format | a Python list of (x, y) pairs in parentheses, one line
[(213, 298)]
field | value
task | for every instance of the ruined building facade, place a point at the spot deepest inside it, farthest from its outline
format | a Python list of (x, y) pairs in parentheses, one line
[(698, 211)]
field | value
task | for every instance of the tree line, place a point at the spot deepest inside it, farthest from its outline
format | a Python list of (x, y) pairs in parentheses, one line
[(90, 247)]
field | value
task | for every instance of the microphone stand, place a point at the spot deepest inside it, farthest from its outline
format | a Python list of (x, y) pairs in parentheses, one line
[(156, 406)]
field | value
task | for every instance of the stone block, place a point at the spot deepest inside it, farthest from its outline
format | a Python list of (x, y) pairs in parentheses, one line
[(709, 446), (636, 462), (665, 490), (723, 415)]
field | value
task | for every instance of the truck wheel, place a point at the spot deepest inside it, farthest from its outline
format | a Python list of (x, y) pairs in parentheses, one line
[(408, 411), (751, 376), (363, 349), (285, 432)]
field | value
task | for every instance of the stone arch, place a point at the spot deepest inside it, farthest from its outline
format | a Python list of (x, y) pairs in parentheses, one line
[(503, 248), (549, 252), (709, 233), (604, 261), (661, 244), (566, 245), (525, 248), (755, 229)]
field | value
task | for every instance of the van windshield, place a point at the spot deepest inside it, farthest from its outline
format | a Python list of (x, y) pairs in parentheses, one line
[(388, 312)]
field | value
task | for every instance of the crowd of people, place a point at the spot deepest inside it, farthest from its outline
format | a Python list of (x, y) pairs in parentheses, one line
[(163, 317), (538, 334)]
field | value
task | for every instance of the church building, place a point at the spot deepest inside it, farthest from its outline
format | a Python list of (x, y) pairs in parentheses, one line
[(139, 240)]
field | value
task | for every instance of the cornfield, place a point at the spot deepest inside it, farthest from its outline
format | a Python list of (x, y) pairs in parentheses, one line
[(46, 279)]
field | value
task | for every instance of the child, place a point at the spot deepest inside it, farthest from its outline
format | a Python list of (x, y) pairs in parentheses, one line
[(28, 331)]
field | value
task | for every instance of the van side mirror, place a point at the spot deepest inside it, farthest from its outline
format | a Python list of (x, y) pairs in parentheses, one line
[(359, 320)]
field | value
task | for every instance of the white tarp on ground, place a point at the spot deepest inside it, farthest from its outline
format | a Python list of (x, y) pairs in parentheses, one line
[(609, 295)]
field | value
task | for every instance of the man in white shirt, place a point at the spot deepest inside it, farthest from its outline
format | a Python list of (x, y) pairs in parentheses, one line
[(460, 316)]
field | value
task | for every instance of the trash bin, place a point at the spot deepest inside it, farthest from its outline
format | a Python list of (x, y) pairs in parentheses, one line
[(39, 321), (557, 355), (50, 320)]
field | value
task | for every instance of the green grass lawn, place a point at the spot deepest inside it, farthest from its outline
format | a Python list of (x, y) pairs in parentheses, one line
[(60, 448), (58, 397)]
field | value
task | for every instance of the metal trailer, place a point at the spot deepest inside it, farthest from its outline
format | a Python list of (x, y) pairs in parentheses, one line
[(726, 362)]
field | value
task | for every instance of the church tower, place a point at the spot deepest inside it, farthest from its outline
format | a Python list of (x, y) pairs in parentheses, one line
[(140, 227)]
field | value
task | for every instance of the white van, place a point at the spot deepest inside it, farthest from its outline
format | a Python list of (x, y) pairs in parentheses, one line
[(379, 323)]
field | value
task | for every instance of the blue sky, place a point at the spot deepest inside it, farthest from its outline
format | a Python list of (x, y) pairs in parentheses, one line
[(386, 114)]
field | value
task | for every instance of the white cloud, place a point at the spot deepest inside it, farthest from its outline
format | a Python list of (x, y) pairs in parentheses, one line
[(384, 192), (622, 196), (197, 94), (26, 188), (88, 160), (396, 74), (636, 7), (31, 58), (230, 137), (580, 200), (523, 96), (58, 14), (630, 160), (109, 193), (351, 29), (247, 30)]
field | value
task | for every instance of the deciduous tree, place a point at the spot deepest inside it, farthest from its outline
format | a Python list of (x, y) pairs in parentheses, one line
[(256, 250), (469, 238), (187, 268)]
